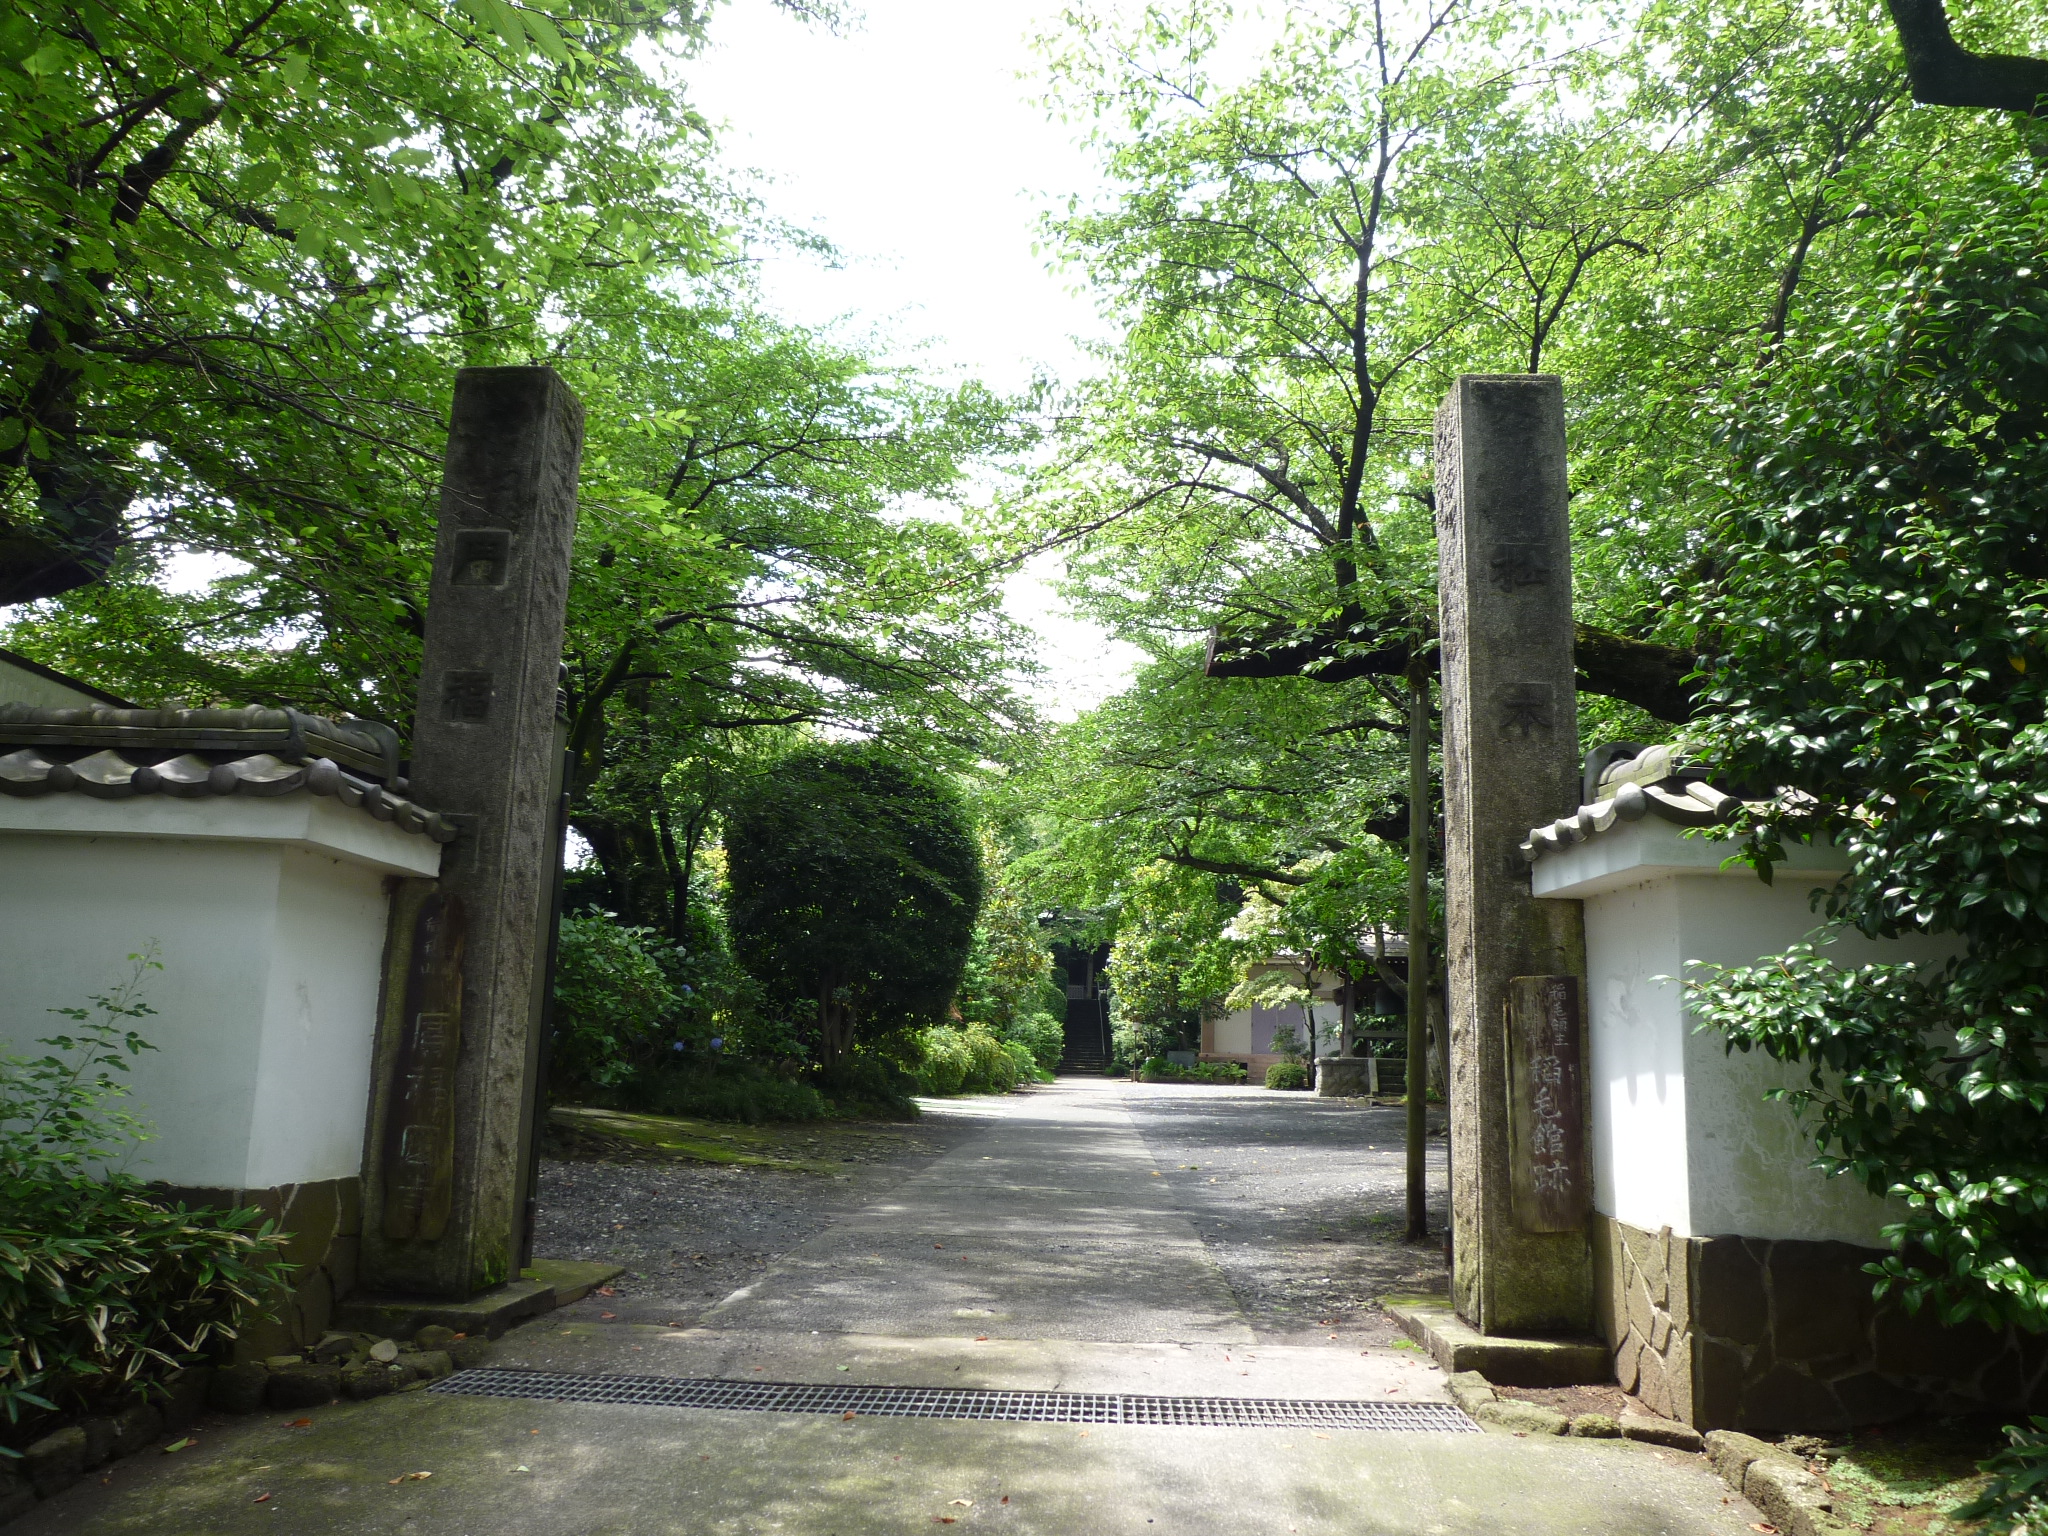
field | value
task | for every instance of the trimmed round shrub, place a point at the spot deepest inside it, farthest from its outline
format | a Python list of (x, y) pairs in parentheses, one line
[(1287, 1074)]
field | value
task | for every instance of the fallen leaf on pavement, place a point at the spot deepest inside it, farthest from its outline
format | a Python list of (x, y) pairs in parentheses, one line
[(261, 1498), (981, 1338), (606, 1290), (1319, 1437), (179, 1445), (606, 1316), (1770, 1530), (945, 1519), (1004, 1499), (299, 1424), (846, 1415), (522, 1469), (964, 1503)]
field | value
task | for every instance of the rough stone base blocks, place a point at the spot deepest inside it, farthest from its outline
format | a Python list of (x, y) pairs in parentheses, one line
[(1784, 1335), (323, 1220)]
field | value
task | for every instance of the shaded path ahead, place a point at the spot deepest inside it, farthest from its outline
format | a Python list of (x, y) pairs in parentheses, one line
[(1053, 1248)]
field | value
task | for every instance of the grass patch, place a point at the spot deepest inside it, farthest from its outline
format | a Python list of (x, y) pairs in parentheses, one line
[(581, 1131), (1903, 1480)]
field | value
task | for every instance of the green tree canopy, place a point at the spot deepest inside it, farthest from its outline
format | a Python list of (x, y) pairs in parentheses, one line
[(1880, 656)]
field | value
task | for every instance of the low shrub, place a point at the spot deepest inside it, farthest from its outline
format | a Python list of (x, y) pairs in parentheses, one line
[(1287, 1074), (104, 1289), (1043, 1037), (1028, 1068), (1221, 1073), (2016, 1495), (869, 1086), (612, 1001), (945, 1062), (969, 1060), (720, 1090)]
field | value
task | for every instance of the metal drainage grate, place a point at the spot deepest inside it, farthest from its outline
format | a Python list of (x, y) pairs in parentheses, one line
[(958, 1402)]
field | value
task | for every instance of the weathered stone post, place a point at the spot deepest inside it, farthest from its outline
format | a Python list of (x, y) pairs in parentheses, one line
[(453, 1116), (1511, 762)]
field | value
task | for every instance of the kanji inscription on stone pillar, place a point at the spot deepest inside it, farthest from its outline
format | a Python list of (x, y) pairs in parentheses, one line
[(1546, 1094)]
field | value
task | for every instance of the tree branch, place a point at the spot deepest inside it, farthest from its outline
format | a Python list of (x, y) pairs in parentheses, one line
[(1946, 74), (1650, 676)]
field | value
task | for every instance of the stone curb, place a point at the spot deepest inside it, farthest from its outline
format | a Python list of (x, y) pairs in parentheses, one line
[(284, 1383), (1473, 1393), (1791, 1497)]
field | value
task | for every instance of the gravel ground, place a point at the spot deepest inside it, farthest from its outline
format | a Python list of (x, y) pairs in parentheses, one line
[(1300, 1201), (692, 1233)]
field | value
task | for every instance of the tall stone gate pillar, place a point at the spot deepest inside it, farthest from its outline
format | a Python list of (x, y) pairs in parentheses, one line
[(459, 1049), (1511, 762)]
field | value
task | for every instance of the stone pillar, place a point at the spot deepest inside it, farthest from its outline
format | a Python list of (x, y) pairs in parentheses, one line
[(460, 1052), (1511, 762)]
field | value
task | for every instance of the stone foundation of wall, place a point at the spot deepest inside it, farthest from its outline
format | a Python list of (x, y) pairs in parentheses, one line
[(325, 1223), (1784, 1335)]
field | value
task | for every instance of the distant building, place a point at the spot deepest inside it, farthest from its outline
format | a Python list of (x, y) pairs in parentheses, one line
[(1088, 997), (1245, 1035), (30, 682)]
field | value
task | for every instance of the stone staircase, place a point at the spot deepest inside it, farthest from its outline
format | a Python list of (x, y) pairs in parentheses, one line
[(1083, 1061)]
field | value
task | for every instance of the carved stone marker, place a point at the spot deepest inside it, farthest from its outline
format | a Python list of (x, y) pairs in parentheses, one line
[(1546, 1093), (418, 1128), (450, 1132), (1511, 762)]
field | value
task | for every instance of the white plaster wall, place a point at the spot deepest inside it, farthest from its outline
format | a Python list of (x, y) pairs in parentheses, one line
[(1682, 1135), (1751, 1159), (1637, 1058), (72, 908), (320, 1012), (265, 1008)]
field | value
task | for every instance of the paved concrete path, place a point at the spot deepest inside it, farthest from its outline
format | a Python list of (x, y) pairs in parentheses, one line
[(1046, 1252)]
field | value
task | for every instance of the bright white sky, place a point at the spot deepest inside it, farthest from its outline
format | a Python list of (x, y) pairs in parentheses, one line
[(910, 142)]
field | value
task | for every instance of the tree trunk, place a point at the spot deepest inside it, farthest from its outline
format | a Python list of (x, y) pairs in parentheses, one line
[(1418, 951)]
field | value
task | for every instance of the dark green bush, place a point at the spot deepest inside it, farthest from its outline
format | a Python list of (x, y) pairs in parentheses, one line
[(1287, 1074), (104, 1289), (719, 1090), (868, 1085), (1223, 1073), (612, 998)]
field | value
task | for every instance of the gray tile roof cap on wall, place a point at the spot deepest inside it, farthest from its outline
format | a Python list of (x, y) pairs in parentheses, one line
[(111, 754), (1626, 782), (364, 747)]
